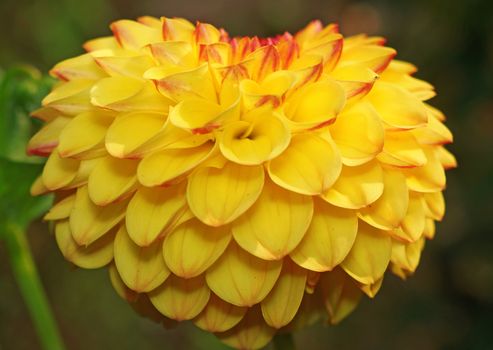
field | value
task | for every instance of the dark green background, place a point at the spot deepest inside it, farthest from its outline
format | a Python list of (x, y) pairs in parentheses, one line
[(448, 304)]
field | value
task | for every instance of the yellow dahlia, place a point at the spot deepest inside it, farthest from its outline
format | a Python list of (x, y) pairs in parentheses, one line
[(251, 185)]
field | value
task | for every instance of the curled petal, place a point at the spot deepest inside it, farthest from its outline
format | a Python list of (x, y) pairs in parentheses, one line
[(434, 205), (377, 58), (254, 142)]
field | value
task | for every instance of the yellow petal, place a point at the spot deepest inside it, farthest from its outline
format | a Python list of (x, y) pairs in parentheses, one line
[(357, 186), (141, 268), (428, 178), (125, 94), (429, 229), (219, 316), (169, 53), (59, 172), (38, 187), (251, 333), (374, 57), (193, 247), (292, 214), (316, 159), (267, 92), (329, 238), (434, 205), (242, 279), (130, 131), (201, 116), (340, 294), (46, 139), (401, 149), (112, 179), (358, 134), (84, 132), (168, 138), (93, 256), (128, 66), (256, 141), (369, 256), (120, 287), (61, 210), (372, 289), (413, 223), (194, 83), (103, 43), (397, 107), (283, 301), (316, 105), (181, 299), (134, 35), (153, 212), (177, 29), (88, 221), (219, 196), (446, 158), (70, 97), (356, 79), (159, 168), (406, 257), (80, 67), (262, 62), (389, 210)]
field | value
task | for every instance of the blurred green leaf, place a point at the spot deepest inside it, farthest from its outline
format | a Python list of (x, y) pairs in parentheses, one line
[(21, 90)]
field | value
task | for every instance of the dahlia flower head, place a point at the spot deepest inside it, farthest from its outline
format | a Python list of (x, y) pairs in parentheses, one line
[(250, 185)]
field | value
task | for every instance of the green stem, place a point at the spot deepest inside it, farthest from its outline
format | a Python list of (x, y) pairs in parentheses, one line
[(284, 341), (31, 288)]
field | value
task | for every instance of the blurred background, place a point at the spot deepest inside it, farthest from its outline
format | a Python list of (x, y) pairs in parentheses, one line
[(448, 304)]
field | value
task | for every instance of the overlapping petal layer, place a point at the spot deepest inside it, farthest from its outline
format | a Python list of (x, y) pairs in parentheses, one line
[(246, 184)]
